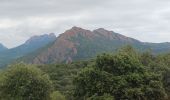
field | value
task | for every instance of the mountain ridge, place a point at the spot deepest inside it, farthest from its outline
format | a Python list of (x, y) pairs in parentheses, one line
[(32, 44), (2, 47), (78, 44)]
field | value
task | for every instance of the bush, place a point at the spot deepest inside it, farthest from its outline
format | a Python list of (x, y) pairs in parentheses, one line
[(24, 82), (56, 95), (104, 97), (122, 76)]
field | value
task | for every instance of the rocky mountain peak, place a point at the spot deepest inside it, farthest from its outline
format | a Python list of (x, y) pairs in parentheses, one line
[(75, 32), (52, 35), (44, 37), (104, 32)]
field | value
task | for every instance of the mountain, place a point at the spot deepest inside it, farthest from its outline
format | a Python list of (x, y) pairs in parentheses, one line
[(29, 46), (79, 44), (33, 43), (2, 47)]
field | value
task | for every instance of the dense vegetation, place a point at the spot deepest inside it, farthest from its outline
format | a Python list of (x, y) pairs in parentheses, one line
[(122, 76), (23, 82), (125, 75)]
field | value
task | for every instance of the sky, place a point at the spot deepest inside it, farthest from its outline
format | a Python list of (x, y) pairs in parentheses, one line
[(145, 20)]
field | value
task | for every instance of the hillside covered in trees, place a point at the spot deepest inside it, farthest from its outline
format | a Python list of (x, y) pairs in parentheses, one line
[(125, 75)]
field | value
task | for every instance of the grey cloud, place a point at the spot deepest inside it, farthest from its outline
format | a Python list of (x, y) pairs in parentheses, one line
[(20, 8), (140, 19)]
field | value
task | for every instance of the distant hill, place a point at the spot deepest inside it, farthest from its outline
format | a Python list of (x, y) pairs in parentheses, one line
[(2, 47), (29, 46), (79, 44)]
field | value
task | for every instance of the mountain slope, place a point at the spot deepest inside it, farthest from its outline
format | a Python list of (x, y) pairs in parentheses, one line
[(78, 44), (2, 47), (29, 46)]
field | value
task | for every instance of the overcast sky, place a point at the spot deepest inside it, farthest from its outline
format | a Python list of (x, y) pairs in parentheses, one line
[(146, 20)]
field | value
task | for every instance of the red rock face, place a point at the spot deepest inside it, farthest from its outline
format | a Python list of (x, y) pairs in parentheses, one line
[(104, 33), (64, 49), (75, 31)]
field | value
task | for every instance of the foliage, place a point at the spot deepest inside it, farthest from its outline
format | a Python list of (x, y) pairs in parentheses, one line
[(104, 97), (161, 65), (57, 96), (122, 76), (62, 75), (24, 82)]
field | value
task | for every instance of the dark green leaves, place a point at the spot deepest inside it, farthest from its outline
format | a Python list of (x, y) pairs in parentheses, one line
[(24, 82)]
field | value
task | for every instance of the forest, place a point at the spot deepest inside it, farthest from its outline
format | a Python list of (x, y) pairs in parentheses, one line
[(126, 74)]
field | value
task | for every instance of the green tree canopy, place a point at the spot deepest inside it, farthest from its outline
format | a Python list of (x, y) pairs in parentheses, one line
[(56, 95), (24, 82), (122, 76)]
